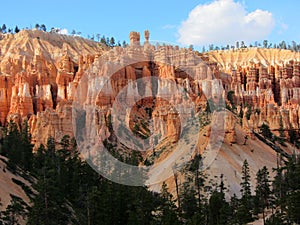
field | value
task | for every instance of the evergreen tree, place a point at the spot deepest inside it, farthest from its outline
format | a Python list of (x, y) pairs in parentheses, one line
[(286, 186), (262, 190), (279, 188), (266, 132), (234, 206), (103, 40), (293, 189), (112, 42), (3, 28), (26, 147), (17, 30), (11, 146), (15, 211), (50, 206), (17, 146), (193, 202), (167, 208), (244, 211), (219, 209), (43, 27)]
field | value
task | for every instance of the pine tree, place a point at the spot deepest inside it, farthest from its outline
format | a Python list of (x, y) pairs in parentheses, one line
[(266, 132), (17, 30), (3, 28), (262, 190), (11, 145), (15, 211), (234, 206), (17, 146), (26, 147), (218, 207), (112, 42), (167, 209), (50, 206), (244, 211), (192, 199), (293, 190), (43, 27)]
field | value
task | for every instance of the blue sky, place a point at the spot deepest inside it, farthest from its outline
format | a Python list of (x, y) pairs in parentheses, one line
[(170, 21)]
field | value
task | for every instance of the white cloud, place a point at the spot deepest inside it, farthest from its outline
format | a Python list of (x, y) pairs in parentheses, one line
[(63, 31), (224, 22)]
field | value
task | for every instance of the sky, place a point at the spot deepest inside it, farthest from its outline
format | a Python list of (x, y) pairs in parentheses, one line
[(196, 22)]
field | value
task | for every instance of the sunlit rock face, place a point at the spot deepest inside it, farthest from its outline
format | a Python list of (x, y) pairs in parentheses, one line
[(40, 73), (266, 81)]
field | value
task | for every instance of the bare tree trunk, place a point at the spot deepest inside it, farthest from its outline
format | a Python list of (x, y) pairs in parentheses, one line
[(177, 189)]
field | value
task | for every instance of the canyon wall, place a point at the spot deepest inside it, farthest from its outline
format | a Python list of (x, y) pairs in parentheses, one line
[(40, 72), (37, 70), (265, 83)]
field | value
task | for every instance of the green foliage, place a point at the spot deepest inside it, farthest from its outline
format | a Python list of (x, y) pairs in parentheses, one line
[(244, 214), (286, 186), (69, 191), (218, 209), (275, 219), (112, 41), (266, 132), (17, 146), (17, 30), (15, 212), (263, 191), (167, 210), (293, 137), (192, 197), (3, 28), (43, 27), (230, 97)]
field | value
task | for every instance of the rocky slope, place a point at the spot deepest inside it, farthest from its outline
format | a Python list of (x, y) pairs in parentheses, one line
[(10, 184)]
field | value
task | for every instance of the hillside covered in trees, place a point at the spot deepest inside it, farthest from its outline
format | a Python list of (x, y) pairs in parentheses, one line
[(65, 190)]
